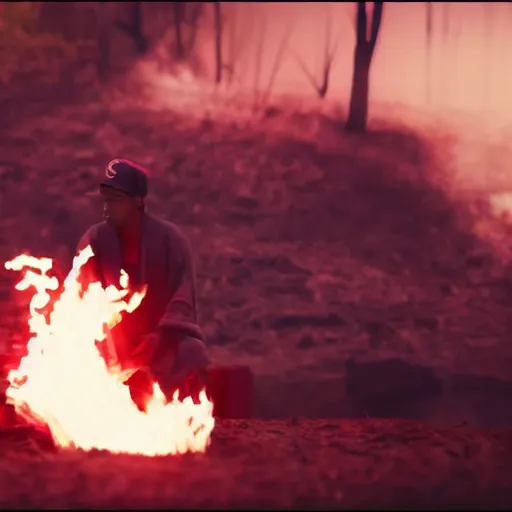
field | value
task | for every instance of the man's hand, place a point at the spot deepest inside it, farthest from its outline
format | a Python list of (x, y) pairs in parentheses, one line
[(183, 369), (174, 366), (141, 389), (146, 349)]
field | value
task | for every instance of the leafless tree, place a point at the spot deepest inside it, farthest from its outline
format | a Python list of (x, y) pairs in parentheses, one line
[(217, 25), (235, 44), (364, 48), (194, 12), (488, 52), (428, 42), (179, 49), (185, 23), (259, 60), (104, 41), (445, 61), (57, 18), (322, 86), (446, 21), (134, 28), (278, 61)]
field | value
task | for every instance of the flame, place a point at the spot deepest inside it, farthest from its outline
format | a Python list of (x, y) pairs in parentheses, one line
[(64, 383)]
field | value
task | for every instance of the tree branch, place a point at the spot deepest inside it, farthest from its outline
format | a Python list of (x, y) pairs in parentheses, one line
[(306, 71), (322, 90), (376, 21), (125, 27), (361, 23), (277, 63)]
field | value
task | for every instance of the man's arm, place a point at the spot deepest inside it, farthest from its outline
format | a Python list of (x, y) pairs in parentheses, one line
[(89, 271), (176, 350), (185, 365), (180, 316)]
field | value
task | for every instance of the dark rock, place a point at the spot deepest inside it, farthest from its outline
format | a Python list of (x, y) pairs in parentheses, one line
[(246, 203), (87, 177), (256, 323), (207, 124), (290, 285), (237, 302), (78, 138), (242, 273), (480, 384), (251, 346), (236, 259), (378, 332), (280, 397), (390, 380), (281, 264), (271, 112), (298, 320), (478, 260), (241, 217), (61, 214), (446, 289), (222, 335), (430, 323), (306, 342), (13, 173), (22, 140)]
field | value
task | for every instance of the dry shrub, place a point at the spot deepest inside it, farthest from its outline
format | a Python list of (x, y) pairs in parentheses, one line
[(26, 52)]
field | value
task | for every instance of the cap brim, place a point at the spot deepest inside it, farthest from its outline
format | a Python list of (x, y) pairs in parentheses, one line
[(111, 186)]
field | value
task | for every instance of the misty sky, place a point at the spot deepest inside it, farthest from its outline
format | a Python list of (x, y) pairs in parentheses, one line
[(470, 52)]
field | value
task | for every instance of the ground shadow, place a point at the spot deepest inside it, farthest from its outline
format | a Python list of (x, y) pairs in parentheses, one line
[(383, 208)]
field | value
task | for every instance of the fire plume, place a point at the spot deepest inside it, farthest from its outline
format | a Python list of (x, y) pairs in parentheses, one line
[(63, 382)]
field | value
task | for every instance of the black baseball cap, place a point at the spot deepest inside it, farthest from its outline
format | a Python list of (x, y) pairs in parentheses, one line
[(127, 177)]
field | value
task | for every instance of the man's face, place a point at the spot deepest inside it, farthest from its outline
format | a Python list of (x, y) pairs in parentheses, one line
[(118, 208)]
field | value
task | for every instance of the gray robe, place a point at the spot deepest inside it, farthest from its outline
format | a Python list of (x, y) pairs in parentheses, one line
[(168, 311)]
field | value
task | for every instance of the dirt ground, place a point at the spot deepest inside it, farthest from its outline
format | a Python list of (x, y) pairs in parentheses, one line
[(292, 464)]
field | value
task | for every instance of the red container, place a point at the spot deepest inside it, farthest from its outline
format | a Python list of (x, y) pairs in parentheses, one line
[(230, 388)]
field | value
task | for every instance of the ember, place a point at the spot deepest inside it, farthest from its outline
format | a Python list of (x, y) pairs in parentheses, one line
[(63, 381)]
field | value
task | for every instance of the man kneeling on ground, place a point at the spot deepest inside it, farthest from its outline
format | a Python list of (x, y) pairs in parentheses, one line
[(160, 341)]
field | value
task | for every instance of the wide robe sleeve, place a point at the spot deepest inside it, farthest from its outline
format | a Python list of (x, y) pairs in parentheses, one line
[(180, 316)]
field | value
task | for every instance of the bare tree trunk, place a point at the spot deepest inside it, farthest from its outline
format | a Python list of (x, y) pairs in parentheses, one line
[(428, 30), (233, 48), (141, 41), (178, 26), (217, 15), (196, 10), (446, 22), (259, 59), (509, 52), (446, 56), (322, 86), (135, 28), (329, 53), (57, 18), (488, 55), (364, 48), (104, 41)]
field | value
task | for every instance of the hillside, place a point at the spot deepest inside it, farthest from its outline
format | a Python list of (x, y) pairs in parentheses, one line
[(311, 245)]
